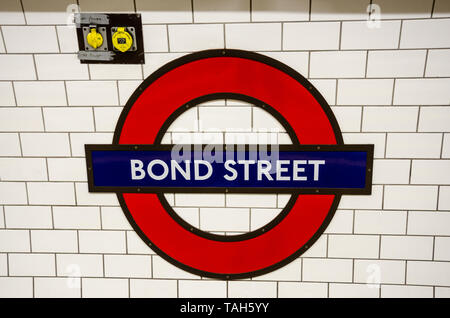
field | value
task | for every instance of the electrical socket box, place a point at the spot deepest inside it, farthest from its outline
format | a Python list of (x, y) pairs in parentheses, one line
[(109, 38)]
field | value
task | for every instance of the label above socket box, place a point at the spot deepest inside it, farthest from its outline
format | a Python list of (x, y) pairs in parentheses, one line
[(110, 38)]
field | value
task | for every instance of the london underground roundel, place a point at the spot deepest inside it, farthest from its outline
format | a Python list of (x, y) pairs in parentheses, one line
[(316, 169)]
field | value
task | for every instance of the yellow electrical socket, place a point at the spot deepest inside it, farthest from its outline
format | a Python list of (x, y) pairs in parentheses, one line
[(94, 39), (122, 40)]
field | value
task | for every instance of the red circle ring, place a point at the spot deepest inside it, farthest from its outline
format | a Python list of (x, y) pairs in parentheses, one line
[(167, 92)]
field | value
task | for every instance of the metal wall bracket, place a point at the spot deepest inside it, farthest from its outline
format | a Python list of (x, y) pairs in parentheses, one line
[(107, 24)]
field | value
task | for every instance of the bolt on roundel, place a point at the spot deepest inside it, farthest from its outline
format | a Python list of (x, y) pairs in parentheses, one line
[(317, 169)]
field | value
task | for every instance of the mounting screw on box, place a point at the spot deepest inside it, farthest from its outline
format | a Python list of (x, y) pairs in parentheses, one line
[(110, 38)]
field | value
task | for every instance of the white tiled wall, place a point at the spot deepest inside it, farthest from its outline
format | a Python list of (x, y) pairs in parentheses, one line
[(388, 85)]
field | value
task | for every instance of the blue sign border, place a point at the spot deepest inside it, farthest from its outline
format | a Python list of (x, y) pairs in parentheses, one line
[(367, 149)]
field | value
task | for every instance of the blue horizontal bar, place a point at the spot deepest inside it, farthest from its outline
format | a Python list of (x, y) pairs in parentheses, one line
[(229, 169)]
